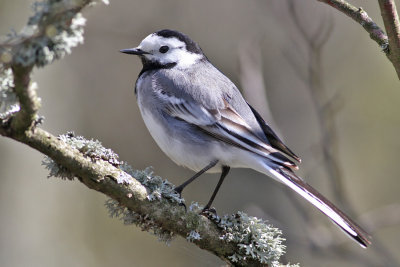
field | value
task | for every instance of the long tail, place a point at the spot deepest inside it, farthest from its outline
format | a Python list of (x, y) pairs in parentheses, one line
[(324, 205)]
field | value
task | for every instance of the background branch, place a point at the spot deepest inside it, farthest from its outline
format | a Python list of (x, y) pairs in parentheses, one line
[(392, 26), (391, 45), (360, 16)]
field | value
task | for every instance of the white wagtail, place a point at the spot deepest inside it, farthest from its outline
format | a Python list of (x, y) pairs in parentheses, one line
[(201, 121)]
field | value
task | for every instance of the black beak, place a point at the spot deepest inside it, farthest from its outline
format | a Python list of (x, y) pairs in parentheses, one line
[(134, 51)]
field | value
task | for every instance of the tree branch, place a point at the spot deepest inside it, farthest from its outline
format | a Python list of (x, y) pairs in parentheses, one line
[(119, 185), (28, 100), (392, 26), (236, 239), (391, 45), (360, 16)]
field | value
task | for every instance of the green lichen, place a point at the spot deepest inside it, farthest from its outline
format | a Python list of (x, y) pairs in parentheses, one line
[(51, 32), (55, 39), (193, 235), (9, 104), (157, 187), (92, 149), (143, 221), (56, 170), (255, 239)]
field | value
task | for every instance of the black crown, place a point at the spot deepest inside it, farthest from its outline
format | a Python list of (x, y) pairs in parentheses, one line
[(191, 46)]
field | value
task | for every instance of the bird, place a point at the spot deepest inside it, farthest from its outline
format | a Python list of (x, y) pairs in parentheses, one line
[(200, 120)]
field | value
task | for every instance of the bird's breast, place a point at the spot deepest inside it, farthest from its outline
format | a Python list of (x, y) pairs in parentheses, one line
[(177, 144)]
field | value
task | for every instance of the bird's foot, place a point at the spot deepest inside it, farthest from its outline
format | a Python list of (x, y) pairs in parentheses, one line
[(178, 190), (183, 205), (211, 214)]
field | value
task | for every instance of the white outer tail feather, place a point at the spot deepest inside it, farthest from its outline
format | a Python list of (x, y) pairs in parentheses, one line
[(349, 227)]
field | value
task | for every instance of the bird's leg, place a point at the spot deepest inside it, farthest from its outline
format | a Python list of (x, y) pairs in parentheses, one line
[(225, 171), (180, 188)]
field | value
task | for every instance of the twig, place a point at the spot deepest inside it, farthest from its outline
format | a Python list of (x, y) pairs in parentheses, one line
[(28, 100), (360, 16), (392, 26), (391, 45)]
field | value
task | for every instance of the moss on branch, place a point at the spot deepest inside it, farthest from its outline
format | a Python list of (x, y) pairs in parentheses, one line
[(141, 198)]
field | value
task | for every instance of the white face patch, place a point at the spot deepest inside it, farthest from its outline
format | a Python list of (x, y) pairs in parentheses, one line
[(177, 52)]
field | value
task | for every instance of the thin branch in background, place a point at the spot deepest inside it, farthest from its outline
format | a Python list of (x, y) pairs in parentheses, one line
[(390, 45), (392, 26), (361, 17)]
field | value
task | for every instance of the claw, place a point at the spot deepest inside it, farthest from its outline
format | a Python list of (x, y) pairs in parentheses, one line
[(184, 205), (211, 214), (207, 210), (178, 190)]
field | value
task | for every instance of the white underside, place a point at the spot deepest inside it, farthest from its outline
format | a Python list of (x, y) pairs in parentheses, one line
[(183, 153)]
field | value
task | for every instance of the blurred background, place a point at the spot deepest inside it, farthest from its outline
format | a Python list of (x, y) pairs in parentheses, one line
[(332, 95)]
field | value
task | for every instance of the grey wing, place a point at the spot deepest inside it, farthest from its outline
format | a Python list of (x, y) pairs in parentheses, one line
[(224, 123)]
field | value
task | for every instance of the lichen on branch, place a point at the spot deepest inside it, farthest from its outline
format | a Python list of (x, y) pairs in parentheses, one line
[(55, 28), (9, 104), (249, 239)]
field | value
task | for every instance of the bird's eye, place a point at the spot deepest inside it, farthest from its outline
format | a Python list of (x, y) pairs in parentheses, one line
[(164, 49)]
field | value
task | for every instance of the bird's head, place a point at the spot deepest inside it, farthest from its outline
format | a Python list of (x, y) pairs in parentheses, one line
[(167, 48)]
